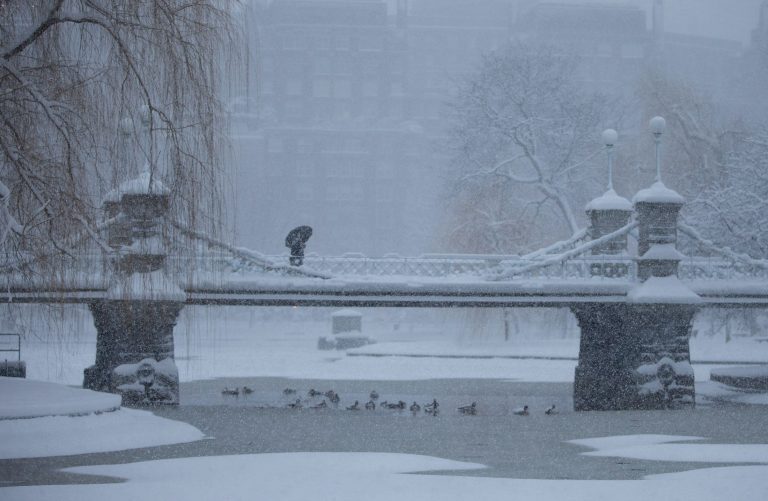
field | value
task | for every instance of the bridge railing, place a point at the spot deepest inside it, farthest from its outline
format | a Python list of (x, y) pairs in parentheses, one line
[(715, 268), (611, 267), (220, 265)]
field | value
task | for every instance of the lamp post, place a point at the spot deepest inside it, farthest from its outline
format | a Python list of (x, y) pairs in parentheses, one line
[(657, 126), (609, 139)]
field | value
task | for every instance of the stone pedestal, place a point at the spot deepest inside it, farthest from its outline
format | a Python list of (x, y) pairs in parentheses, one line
[(661, 361), (347, 329), (634, 357), (606, 214), (603, 379), (130, 332)]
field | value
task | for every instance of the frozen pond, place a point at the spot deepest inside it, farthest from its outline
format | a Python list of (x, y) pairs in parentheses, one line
[(511, 446)]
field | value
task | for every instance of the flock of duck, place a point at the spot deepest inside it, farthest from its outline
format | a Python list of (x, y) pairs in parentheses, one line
[(331, 398)]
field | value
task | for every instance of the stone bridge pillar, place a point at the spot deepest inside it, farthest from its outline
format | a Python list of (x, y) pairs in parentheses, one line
[(635, 355), (606, 214), (134, 323)]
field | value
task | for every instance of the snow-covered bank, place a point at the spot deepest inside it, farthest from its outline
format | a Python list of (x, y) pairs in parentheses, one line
[(378, 476), (111, 431), (24, 398), (76, 421)]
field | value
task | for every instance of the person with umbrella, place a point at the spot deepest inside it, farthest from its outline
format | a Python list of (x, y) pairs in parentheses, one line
[(297, 241)]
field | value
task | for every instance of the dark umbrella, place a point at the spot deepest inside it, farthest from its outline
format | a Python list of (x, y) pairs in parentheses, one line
[(298, 235)]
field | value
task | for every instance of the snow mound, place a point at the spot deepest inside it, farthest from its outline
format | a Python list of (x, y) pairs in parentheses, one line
[(664, 448), (658, 194), (609, 200), (748, 378), (113, 431), (144, 184), (662, 252), (23, 398), (664, 290)]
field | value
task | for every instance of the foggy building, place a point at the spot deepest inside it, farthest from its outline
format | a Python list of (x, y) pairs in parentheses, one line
[(611, 40), (335, 147)]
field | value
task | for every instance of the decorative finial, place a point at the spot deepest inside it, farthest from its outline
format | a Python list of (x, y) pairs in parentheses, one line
[(609, 139), (657, 126)]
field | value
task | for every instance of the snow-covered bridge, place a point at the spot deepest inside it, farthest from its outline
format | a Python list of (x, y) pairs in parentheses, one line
[(624, 277)]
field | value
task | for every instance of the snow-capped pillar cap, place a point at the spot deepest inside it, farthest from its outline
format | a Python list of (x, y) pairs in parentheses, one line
[(610, 200), (663, 290), (658, 193), (662, 252)]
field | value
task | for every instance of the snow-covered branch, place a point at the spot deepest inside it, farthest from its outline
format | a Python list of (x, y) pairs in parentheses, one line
[(561, 258)]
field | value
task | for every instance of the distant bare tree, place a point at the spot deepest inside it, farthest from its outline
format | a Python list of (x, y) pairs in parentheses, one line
[(75, 72), (524, 136), (698, 133)]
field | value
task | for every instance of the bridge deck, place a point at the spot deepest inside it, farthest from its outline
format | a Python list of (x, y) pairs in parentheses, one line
[(399, 291)]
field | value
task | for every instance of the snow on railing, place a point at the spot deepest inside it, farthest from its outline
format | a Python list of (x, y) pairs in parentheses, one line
[(243, 254), (217, 258), (722, 251), (577, 237), (561, 259)]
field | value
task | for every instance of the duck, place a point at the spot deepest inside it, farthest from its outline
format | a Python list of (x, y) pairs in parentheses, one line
[(551, 411), (314, 393), (374, 395), (354, 407), (247, 391), (333, 397), (295, 405), (370, 405), (432, 407), (227, 391), (522, 412), (415, 407), (289, 391), (469, 410)]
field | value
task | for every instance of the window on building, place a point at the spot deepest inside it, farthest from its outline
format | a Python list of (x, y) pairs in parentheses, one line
[(321, 87), (342, 88), (304, 145), (275, 144), (371, 40), (323, 65), (385, 170), (293, 87), (632, 51), (370, 88), (294, 110)]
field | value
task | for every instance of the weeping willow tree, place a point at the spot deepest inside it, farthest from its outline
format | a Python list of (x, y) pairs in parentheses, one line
[(94, 92)]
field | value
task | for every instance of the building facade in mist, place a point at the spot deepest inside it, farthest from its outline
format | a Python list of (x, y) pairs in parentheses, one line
[(347, 104), (334, 146)]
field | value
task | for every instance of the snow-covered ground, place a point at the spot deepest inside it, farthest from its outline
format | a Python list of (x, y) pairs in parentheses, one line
[(25, 398), (46, 419), (283, 342), (379, 476)]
